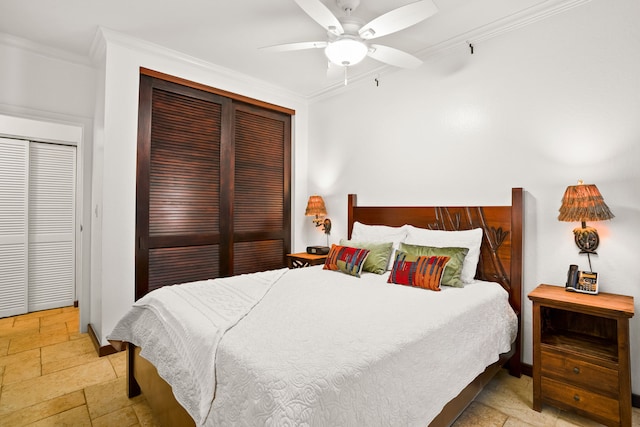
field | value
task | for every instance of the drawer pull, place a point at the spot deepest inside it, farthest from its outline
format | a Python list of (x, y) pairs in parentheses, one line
[(576, 398), (576, 370)]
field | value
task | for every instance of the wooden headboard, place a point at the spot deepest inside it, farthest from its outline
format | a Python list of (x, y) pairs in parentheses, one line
[(501, 249)]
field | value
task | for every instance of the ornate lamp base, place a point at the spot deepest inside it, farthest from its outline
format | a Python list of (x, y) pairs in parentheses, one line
[(586, 239)]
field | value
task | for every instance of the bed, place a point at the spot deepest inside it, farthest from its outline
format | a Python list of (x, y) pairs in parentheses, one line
[(271, 370)]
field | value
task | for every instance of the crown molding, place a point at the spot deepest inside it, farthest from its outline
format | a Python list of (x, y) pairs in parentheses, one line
[(98, 48), (540, 11), (105, 37), (44, 50)]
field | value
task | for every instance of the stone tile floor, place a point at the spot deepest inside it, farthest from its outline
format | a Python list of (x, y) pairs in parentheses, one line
[(51, 376), (507, 402)]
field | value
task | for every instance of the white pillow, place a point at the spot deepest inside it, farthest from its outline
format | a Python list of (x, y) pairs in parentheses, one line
[(379, 234), (471, 239)]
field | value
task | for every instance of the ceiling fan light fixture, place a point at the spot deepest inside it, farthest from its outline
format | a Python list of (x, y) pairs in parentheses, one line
[(348, 38), (346, 51)]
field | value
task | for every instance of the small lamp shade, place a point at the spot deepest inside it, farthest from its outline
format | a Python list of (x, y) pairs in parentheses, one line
[(582, 203), (315, 207)]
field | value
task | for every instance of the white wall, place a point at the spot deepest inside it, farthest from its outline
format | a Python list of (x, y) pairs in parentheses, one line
[(40, 79), (539, 107), (101, 96), (115, 157), (50, 86)]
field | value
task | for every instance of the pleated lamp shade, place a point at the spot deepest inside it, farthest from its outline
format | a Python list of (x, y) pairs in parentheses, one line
[(583, 202), (315, 207)]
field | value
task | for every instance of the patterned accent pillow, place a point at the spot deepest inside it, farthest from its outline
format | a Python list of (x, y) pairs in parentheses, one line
[(379, 254), (346, 259), (418, 271), (451, 276), (471, 239)]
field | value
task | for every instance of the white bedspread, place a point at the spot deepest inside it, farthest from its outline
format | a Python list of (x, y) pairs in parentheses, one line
[(326, 349), (179, 329)]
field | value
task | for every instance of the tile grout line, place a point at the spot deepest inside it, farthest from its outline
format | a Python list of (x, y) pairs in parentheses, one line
[(86, 403)]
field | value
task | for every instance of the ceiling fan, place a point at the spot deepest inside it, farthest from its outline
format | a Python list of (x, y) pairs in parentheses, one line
[(348, 37)]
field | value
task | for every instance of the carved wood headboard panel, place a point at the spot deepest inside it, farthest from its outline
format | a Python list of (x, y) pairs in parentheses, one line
[(501, 249)]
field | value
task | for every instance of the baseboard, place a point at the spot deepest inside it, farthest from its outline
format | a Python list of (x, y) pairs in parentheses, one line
[(104, 350), (528, 371)]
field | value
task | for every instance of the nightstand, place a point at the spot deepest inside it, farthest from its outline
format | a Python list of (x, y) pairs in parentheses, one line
[(303, 259), (581, 358)]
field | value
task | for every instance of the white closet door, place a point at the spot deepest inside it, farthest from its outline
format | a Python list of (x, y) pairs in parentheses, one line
[(52, 189), (14, 164)]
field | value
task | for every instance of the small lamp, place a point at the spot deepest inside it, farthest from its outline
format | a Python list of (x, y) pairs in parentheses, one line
[(582, 203), (316, 207)]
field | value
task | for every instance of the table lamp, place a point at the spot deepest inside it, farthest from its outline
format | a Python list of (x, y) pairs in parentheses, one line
[(582, 203), (317, 209)]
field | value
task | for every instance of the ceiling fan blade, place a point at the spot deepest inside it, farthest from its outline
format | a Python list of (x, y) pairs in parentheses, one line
[(322, 15), (294, 46), (398, 19), (392, 56)]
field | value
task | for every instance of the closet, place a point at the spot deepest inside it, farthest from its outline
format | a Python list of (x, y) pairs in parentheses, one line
[(37, 226), (213, 184)]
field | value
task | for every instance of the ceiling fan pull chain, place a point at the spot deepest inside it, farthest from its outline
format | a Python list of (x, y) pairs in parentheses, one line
[(346, 80)]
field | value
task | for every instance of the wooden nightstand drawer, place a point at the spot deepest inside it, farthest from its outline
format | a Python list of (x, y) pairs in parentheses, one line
[(584, 401), (580, 373)]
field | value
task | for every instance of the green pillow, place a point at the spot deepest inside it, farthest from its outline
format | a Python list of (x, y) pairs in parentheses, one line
[(379, 254), (451, 276)]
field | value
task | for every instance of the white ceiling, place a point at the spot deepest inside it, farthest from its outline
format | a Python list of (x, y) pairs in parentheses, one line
[(229, 33)]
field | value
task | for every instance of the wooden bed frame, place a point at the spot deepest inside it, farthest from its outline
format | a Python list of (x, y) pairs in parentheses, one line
[(500, 261)]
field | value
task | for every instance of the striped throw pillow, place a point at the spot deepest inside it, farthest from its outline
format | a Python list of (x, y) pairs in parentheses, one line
[(418, 271), (346, 259)]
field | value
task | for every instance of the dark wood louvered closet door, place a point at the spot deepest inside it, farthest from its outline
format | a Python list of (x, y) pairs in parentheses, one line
[(260, 205), (213, 186)]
